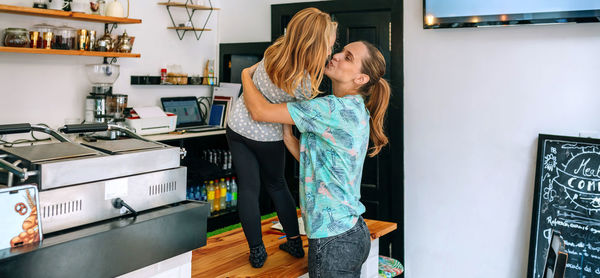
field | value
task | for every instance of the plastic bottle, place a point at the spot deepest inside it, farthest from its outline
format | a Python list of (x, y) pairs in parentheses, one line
[(229, 195), (203, 193), (197, 192), (234, 192), (229, 160), (190, 193), (217, 203), (211, 196), (223, 194)]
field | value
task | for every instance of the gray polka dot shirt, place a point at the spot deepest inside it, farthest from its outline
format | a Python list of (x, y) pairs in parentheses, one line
[(240, 120)]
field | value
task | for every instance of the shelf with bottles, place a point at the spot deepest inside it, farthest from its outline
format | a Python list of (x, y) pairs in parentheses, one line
[(67, 52), (189, 80), (220, 193), (78, 42)]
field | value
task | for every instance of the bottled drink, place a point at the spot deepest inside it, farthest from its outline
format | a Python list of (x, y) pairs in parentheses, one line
[(229, 196), (234, 192), (229, 160), (217, 202), (223, 194), (203, 193), (190, 193), (211, 196), (197, 193)]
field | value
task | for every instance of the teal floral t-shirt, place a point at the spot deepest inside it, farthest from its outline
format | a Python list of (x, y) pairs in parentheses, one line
[(333, 146)]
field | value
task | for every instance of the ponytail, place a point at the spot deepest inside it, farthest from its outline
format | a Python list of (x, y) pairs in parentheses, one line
[(377, 93), (377, 104)]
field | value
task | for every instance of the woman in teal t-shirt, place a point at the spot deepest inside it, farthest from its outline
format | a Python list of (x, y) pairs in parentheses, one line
[(335, 132)]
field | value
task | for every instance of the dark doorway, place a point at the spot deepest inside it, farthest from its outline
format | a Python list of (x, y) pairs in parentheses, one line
[(383, 176)]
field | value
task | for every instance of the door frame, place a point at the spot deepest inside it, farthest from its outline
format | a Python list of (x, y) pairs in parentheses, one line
[(392, 160)]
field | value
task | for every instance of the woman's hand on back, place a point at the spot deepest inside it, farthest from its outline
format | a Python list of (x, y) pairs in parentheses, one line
[(250, 71)]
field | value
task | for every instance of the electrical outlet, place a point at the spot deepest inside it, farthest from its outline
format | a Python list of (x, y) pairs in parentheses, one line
[(589, 133)]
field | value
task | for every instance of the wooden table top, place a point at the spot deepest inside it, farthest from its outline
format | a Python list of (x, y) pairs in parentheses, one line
[(226, 254)]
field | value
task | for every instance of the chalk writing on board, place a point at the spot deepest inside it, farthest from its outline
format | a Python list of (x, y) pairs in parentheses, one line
[(568, 200)]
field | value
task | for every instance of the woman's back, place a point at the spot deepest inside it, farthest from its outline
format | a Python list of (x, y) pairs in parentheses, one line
[(240, 120)]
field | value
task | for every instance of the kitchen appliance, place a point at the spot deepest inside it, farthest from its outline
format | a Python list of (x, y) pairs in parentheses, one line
[(102, 106), (102, 77), (93, 181), (151, 123)]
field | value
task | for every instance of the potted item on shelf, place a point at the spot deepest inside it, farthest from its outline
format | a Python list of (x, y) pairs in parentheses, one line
[(16, 37)]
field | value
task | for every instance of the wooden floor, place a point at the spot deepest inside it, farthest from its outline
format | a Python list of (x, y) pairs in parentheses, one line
[(226, 254)]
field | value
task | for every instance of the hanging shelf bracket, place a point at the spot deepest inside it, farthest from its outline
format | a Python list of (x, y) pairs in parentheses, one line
[(190, 10)]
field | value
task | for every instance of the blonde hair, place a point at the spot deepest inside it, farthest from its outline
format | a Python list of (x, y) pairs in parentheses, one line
[(300, 52), (377, 93)]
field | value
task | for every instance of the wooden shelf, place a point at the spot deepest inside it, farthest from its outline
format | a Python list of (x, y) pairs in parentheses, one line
[(183, 5), (66, 15), (188, 29), (67, 52)]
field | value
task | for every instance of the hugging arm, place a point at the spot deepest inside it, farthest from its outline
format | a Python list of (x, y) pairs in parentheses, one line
[(260, 109), (291, 142)]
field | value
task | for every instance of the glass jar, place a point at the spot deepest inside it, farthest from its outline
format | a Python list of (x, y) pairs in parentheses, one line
[(65, 38), (16, 37), (42, 29)]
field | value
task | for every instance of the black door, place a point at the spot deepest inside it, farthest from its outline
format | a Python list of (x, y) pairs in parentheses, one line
[(382, 187), (373, 27)]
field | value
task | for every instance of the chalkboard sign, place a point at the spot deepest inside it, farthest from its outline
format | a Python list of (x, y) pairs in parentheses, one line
[(567, 199)]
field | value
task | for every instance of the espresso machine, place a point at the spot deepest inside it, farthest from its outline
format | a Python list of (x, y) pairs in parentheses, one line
[(102, 106)]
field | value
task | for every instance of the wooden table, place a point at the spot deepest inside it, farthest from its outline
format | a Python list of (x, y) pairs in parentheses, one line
[(226, 254)]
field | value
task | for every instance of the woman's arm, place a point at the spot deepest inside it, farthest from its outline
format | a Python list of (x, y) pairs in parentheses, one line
[(291, 142), (260, 109)]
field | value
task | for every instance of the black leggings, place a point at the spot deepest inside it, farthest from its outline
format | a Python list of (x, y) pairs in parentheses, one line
[(255, 163)]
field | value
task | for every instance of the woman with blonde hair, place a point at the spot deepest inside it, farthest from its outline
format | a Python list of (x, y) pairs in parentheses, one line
[(292, 69), (335, 132)]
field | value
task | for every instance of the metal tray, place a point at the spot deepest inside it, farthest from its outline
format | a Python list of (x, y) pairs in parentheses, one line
[(48, 152), (123, 145)]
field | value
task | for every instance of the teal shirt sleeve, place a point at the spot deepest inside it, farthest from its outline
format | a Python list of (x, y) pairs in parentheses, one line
[(312, 116)]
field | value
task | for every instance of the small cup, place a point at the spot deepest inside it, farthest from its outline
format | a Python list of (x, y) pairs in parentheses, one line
[(33, 38), (47, 42)]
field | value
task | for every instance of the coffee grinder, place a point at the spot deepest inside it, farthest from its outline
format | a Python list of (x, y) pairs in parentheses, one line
[(102, 106)]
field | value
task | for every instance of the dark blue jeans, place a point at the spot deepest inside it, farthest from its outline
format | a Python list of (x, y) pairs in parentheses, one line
[(341, 255)]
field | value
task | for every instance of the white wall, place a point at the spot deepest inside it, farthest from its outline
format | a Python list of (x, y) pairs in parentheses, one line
[(248, 20), (475, 101), (51, 88)]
